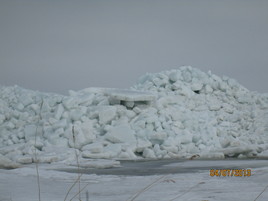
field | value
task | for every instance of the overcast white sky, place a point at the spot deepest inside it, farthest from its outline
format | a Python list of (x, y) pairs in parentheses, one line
[(55, 46)]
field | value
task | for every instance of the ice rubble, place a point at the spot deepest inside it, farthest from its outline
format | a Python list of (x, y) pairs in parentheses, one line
[(171, 114)]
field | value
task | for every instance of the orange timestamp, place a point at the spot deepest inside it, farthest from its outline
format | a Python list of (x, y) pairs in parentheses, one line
[(230, 172)]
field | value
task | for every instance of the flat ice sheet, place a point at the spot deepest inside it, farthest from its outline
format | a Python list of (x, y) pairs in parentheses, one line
[(20, 185)]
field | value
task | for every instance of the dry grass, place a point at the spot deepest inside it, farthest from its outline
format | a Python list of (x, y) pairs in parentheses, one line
[(180, 195), (261, 192), (78, 180), (146, 188), (35, 153)]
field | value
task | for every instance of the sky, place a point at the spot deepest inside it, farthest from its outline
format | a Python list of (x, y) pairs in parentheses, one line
[(55, 46)]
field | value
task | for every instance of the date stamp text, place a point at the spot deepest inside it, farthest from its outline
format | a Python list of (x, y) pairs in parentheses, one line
[(230, 172)]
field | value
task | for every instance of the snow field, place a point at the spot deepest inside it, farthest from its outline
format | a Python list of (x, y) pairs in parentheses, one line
[(20, 185)]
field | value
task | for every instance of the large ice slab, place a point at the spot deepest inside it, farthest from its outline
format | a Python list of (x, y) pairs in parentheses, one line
[(130, 95)]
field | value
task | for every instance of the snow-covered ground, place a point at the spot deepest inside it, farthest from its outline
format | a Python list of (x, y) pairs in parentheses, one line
[(21, 184)]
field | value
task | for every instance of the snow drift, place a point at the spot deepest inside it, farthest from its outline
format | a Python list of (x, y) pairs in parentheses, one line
[(171, 114)]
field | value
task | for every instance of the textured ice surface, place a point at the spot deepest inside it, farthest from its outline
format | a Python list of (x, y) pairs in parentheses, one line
[(171, 114)]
